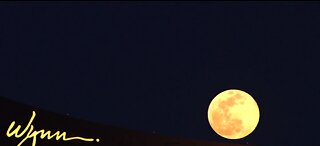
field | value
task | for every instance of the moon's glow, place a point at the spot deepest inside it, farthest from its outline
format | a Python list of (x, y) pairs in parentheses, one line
[(233, 114)]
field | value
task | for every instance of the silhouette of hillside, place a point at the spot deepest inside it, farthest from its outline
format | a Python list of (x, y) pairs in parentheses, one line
[(109, 136)]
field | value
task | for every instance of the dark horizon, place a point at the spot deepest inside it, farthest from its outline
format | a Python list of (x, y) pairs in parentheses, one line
[(102, 134)]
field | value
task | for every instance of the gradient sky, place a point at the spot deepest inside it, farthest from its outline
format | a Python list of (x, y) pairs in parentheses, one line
[(155, 67)]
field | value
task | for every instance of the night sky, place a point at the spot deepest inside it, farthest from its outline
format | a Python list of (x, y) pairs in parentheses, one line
[(156, 66)]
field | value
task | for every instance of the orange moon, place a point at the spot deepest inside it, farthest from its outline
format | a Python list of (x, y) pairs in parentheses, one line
[(233, 114)]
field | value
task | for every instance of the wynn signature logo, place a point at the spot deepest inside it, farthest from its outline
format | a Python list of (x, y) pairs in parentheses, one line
[(30, 132)]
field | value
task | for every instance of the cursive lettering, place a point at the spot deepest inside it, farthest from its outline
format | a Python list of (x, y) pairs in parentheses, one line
[(29, 132)]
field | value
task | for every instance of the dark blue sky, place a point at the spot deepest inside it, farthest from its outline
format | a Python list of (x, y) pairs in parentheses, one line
[(156, 66)]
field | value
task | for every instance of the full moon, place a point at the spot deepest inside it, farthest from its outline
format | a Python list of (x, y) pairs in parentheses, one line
[(233, 114)]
